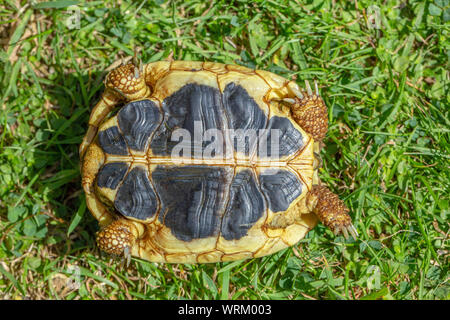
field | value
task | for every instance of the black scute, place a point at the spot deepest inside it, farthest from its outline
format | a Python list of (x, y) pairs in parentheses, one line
[(192, 199), (136, 198), (290, 140), (243, 113), (137, 121), (191, 103), (111, 174), (112, 141), (207, 106), (280, 188), (246, 206)]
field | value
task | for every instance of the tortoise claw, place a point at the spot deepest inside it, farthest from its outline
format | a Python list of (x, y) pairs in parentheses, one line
[(126, 256), (353, 231), (289, 100), (297, 92), (138, 68), (308, 88), (316, 87), (346, 231)]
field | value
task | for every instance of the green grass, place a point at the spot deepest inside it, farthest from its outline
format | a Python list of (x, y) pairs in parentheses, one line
[(387, 153)]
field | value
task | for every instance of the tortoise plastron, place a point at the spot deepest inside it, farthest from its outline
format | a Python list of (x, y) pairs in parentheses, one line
[(192, 162)]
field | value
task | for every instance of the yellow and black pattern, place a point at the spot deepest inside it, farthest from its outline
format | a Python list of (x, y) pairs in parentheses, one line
[(198, 201), (198, 206)]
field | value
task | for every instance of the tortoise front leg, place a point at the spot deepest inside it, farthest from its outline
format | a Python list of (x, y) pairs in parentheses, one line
[(309, 111), (124, 83)]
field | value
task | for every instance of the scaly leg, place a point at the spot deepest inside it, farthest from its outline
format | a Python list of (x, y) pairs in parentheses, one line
[(331, 211), (119, 237), (309, 111)]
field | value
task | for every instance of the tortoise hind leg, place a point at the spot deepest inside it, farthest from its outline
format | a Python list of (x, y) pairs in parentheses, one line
[(331, 211), (119, 237)]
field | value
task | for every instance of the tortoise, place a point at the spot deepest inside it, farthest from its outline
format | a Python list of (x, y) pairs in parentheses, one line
[(200, 162)]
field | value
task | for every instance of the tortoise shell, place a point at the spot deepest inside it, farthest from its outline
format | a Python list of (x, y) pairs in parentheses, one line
[(200, 163)]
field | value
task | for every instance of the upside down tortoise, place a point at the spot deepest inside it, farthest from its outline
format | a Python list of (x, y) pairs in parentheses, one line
[(193, 162)]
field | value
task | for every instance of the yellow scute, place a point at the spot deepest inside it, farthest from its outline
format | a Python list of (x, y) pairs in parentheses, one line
[(176, 79), (164, 239)]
